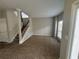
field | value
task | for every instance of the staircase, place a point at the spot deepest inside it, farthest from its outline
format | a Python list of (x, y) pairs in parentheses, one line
[(13, 27)]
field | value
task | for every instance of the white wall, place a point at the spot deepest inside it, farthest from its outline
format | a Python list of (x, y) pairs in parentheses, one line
[(8, 25), (42, 26)]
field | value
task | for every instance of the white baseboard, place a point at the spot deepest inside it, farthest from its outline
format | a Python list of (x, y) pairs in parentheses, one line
[(39, 34)]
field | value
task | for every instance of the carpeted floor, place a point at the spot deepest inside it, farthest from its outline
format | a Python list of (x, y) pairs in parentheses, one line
[(36, 47)]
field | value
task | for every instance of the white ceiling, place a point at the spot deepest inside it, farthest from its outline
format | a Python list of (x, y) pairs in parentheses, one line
[(36, 8)]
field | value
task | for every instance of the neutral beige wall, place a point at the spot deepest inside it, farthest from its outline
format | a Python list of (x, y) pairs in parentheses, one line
[(42, 26), (3, 26), (66, 27), (8, 25), (12, 20)]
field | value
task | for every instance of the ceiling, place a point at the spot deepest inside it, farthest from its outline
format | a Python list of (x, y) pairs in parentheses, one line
[(36, 8)]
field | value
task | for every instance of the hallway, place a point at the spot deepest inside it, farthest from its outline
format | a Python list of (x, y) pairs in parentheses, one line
[(36, 47)]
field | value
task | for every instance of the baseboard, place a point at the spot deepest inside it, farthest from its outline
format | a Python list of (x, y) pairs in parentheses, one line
[(59, 40), (41, 35)]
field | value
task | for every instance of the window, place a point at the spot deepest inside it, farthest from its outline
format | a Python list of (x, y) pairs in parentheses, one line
[(60, 25)]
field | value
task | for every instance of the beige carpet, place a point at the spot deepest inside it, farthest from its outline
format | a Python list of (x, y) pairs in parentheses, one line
[(36, 47)]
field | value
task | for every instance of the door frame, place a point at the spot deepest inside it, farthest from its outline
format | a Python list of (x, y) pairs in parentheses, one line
[(72, 25)]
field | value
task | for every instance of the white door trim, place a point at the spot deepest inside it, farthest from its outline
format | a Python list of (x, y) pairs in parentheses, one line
[(72, 25)]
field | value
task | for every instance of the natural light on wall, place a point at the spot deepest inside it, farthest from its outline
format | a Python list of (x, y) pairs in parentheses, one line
[(15, 12), (24, 15)]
